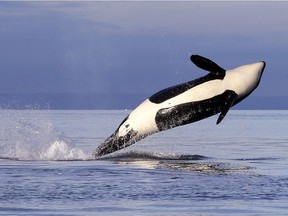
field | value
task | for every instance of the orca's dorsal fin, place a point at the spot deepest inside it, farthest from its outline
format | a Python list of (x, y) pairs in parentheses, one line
[(230, 98), (207, 64)]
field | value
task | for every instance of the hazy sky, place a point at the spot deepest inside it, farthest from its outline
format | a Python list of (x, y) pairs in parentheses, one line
[(141, 47)]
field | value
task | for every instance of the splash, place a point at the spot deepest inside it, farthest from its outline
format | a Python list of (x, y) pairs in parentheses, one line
[(25, 137), (60, 150)]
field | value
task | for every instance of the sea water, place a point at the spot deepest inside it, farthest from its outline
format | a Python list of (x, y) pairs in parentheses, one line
[(239, 167)]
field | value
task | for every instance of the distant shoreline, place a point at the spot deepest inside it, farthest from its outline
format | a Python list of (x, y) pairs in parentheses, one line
[(94, 101)]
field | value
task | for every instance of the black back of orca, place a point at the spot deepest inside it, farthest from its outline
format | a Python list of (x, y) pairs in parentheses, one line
[(176, 90), (215, 72), (187, 113)]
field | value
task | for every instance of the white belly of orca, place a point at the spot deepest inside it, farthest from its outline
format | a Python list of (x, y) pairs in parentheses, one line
[(186, 103)]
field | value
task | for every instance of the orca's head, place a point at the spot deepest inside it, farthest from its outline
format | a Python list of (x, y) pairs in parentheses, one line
[(246, 78)]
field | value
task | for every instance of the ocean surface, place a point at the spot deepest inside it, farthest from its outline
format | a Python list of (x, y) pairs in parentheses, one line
[(239, 167)]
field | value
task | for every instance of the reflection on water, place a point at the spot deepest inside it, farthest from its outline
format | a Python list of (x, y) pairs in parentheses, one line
[(192, 163)]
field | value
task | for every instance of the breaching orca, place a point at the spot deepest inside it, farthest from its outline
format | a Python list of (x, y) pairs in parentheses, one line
[(185, 103)]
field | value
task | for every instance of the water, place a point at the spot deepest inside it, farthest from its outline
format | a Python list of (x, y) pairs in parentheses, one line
[(236, 168)]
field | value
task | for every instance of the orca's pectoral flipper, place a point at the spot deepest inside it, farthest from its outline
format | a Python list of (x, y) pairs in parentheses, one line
[(207, 64), (231, 96)]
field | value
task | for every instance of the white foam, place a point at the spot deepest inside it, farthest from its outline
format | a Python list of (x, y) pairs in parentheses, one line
[(59, 150), (31, 137)]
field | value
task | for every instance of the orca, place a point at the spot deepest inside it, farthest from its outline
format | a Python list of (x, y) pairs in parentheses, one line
[(186, 103)]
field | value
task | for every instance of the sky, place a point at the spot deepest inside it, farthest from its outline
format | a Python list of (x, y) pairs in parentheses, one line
[(115, 47)]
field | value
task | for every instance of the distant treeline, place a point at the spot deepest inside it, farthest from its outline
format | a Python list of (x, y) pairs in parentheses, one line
[(88, 101)]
